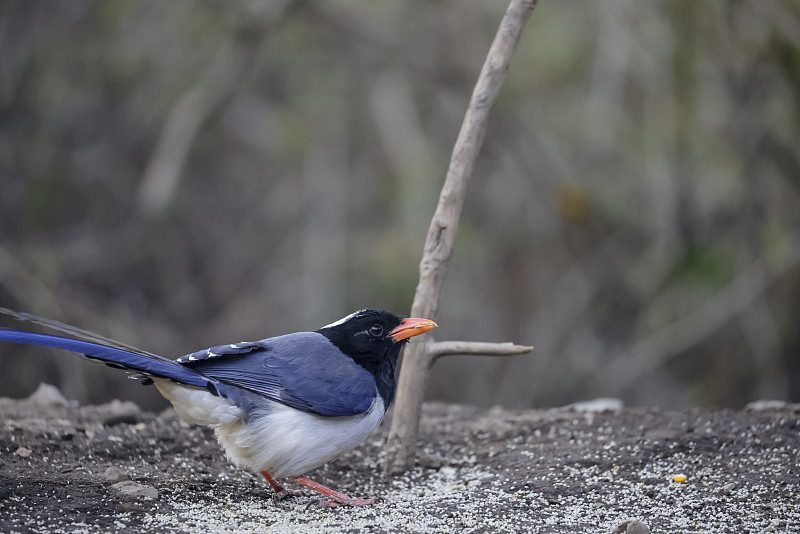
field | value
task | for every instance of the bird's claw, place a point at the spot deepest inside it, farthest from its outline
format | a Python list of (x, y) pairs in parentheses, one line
[(280, 495)]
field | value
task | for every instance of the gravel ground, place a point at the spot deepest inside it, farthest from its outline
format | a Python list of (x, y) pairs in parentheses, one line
[(583, 468)]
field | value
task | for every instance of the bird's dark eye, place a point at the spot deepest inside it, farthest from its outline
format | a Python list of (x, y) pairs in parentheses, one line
[(376, 330)]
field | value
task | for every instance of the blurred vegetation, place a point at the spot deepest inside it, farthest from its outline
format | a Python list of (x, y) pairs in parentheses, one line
[(187, 173)]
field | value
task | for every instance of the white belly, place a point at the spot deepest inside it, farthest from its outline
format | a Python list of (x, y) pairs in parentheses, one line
[(281, 440)]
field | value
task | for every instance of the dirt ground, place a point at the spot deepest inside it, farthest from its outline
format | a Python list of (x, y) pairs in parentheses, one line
[(584, 468)]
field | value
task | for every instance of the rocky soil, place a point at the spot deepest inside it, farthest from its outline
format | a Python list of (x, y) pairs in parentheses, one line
[(594, 467)]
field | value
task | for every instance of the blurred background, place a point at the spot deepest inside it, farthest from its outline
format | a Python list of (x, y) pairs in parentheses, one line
[(183, 174)]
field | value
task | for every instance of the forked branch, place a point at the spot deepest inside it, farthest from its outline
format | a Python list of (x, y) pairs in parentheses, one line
[(442, 234)]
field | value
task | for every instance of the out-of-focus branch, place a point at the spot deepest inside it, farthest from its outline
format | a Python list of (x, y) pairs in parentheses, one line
[(220, 79), (442, 233), (653, 350), (163, 171), (780, 17)]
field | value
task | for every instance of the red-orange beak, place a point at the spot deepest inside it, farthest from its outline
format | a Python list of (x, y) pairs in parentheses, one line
[(410, 328)]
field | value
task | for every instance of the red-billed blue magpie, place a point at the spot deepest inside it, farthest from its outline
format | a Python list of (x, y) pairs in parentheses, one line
[(281, 406)]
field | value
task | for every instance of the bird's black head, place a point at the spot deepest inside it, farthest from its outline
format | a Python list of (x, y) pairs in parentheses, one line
[(373, 339)]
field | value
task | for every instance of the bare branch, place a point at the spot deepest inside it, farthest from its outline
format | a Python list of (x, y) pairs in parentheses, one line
[(442, 233), (437, 349), (444, 225)]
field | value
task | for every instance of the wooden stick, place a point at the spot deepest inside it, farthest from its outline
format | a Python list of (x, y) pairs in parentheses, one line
[(437, 349), (442, 233)]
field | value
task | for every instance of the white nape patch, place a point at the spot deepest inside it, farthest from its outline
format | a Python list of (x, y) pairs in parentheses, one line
[(343, 319), (278, 439)]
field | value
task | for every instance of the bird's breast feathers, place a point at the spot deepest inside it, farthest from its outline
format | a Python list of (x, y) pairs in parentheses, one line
[(287, 442), (273, 437)]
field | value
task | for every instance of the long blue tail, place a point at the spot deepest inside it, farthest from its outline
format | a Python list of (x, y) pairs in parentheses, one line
[(146, 363)]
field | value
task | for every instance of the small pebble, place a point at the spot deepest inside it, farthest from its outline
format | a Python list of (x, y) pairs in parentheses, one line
[(23, 452), (680, 479), (134, 489), (113, 474), (48, 396), (637, 527), (631, 527)]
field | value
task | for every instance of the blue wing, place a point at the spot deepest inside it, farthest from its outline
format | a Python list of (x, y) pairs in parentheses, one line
[(303, 370)]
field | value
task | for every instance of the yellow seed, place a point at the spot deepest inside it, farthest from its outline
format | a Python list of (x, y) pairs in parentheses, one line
[(680, 479)]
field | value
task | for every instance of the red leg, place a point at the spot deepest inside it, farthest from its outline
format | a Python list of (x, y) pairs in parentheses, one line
[(337, 498), (280, 491)]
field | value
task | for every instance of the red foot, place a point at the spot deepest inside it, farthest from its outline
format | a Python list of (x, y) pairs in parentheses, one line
[(337, 499), (280, 492)]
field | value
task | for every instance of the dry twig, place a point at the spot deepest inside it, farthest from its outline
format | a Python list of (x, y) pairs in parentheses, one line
[(439, 243)]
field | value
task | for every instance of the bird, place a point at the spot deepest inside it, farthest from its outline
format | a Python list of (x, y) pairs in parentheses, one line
[(281, 406)]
